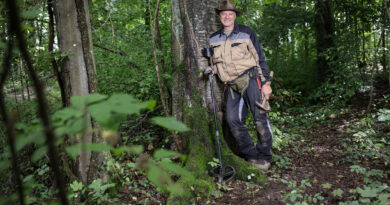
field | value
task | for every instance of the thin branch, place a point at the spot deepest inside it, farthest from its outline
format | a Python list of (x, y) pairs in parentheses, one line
[(9, 122), (112, 31), (374, 71), (166, 111), (139, 123), (162, 61), (14, 22), (50, 48)]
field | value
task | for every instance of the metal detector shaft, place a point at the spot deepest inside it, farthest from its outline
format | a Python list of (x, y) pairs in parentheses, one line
[(215, 118)]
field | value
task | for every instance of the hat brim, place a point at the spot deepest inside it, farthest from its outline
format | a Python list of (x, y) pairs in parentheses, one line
[(238, 12)]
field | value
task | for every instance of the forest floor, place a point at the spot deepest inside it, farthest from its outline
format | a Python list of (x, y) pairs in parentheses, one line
[(342, 158), (322, 164), (339, 158), (317, 169)]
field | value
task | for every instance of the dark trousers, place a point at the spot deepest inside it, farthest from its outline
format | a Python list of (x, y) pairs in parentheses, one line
[(236, 112)]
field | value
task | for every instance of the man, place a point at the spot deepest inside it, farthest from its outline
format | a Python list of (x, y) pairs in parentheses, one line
[(240, 63)]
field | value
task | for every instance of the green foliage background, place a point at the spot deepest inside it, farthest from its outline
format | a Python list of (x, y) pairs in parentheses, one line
[(121, 32)]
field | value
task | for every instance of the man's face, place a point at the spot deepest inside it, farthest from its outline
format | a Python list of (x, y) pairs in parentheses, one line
[(227, 18)]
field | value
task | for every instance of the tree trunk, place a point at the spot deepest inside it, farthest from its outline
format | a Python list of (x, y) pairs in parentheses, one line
[(50, 49), (78, 70), (324, 36), (388, 15), (193, 21)]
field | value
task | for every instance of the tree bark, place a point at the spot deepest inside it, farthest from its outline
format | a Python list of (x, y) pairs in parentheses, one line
[(10, 122), (50, 49), (78, 71), (324, 36), (388, 15), (193, 21), (374, 70), (15, 28)]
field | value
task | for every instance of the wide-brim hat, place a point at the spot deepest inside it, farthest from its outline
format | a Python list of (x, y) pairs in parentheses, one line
[(227, 6)]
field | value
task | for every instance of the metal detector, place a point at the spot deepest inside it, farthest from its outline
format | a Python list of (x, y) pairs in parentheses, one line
[(225, 173)]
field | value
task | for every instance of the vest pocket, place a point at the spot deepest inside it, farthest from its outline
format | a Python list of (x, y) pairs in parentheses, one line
[(239, 51), (217, 57)]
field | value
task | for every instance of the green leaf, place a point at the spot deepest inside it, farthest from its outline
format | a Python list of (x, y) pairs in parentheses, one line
[(170, 123), (96, 184), (151, 104), (81, 101), (131, 165), (30, 14), (97, 147), (175, 188), (95, 97), (101, 112), (67, 113), (55, 203), (136, 149), (177, 169), (338, 192), (3, 46), (28, 178), (38, 154), (77, 102), (107, 186), (76, 186), (162, 153), (126, 104), (326, 186), (384, 115), (73, 150), (22, 141), (4, 165), (367, 192), (384, 198), (159, 177)]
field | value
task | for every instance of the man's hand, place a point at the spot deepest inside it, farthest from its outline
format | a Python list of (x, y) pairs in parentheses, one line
[(208, 69), (266, 91)]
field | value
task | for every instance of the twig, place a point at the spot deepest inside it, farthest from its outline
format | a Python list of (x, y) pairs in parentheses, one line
[(139, 123), (10, 122), (164, 103), (156, 61), (112, 31), (14, 22)]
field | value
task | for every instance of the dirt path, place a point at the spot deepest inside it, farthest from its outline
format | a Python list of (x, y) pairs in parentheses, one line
[(319, 172)]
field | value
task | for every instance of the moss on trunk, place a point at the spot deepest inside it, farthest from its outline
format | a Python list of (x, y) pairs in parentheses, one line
[(202, 148)]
